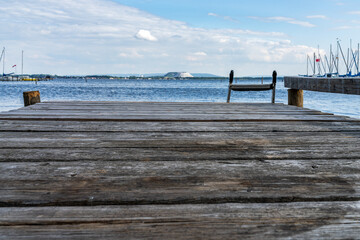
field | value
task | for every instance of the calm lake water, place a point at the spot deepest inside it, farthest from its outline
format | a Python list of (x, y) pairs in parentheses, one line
[(166, 91)]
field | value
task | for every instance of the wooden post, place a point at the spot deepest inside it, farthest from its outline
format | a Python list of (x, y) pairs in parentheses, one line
[(296, 97), (231, 79), (31, 98), (274, 76)]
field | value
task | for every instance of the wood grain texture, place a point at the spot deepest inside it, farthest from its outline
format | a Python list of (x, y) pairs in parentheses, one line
[(133, 170), (173, 112), (144, 182), (326, 220), (177, 145), (144, 117), (164, 127), (296, 97)]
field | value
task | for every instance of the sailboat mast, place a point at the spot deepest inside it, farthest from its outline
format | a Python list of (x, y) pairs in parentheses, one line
[(353, 62), (331, 63), (4, 62), (337, 58), (307, 65), (314, 64), (342, 54), (348, 61), (22, 62), (349, 57), (319, 60)]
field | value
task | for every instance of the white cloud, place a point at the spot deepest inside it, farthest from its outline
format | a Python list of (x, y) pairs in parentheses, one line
[(192, 58), (355, 13), (223, 40), (196, 56), (259, 50), (291, 21), (200, 54), (287, 20), (302, 23), (130, 53), (145, 35), (346, 27), (280, 19), (227, 18), (317, 17), (97, 37)]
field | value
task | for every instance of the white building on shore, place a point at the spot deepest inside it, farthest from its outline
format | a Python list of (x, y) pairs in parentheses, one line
[(178, 75)]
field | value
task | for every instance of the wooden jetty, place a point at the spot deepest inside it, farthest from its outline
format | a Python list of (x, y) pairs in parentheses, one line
[(121, 170), (344, 85)]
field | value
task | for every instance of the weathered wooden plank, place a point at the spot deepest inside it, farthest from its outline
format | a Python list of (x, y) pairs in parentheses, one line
[(175, 117), (176, 153), (226, 140), (160, 106), (130, 107), (201, 153), (151, 112), (145, 108), (171, 146), (129, 111), (170, 108), (144, 182), (216, 105), (326, 220), (65, 126), (333, 85), (171, 112), (140, 103)]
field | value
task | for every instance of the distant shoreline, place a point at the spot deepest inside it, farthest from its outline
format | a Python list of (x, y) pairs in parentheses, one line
[(142, 78), (130, 77), (164, 78)]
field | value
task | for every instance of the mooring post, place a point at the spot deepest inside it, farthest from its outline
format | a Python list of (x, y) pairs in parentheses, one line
[(31, 98), (296, 97), (231, 79), (274, 76)]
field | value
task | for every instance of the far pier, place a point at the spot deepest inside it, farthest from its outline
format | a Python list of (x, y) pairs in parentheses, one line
[(296, 85)]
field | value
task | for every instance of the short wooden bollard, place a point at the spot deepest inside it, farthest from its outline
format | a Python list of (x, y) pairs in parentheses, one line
[(31, 98), (296, 97)]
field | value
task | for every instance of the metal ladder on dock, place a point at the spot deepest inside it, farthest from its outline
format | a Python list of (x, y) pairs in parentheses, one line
[(252, 87)]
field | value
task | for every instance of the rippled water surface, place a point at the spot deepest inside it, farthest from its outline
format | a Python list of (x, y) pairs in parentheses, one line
[(166, 91)]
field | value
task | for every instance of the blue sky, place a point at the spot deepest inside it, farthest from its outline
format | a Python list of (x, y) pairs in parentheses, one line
[(330, 18), (154, 36)]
